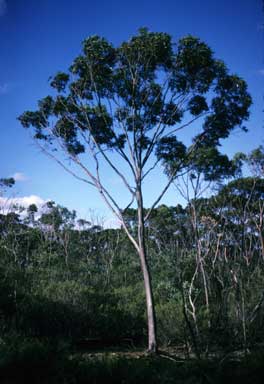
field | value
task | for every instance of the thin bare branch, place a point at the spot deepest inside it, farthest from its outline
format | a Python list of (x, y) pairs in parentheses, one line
[(47, 153)]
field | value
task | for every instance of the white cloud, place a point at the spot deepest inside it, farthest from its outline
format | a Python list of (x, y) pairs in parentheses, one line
[(19, 176), (3, 7), (27, 200), (8, 87), (112, 223), (4, 88), (7, 203)]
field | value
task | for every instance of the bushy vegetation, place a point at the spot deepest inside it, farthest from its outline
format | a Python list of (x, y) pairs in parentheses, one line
[(68, 287), (41, 362)]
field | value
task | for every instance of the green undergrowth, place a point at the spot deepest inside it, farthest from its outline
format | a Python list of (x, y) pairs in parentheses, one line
[(39, 362)]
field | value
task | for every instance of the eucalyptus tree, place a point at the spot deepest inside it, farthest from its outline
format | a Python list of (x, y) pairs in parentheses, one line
[(5, 183), (255, 160), (123, 107)]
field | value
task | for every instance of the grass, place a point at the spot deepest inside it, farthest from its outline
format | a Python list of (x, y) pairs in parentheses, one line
[(33, 361)]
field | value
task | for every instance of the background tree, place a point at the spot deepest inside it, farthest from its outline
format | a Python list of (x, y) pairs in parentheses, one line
[(129, 104), (31, 211), (6, 183)]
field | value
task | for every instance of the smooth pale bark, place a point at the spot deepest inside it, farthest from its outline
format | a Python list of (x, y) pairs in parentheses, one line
[(151, 318)]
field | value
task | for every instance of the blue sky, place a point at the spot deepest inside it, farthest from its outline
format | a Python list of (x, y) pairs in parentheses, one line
[(38, 38)]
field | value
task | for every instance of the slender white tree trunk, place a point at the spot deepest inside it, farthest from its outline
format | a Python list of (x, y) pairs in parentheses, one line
[(151, 318)]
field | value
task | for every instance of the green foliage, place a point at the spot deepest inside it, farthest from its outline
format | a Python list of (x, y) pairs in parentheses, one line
[(7, 182), (41, 362), (65, 281), (59, 281), (214, 165), (170, 322), (110, 87)]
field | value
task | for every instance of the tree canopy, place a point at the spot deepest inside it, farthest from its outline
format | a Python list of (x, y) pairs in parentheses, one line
[(135, 99)]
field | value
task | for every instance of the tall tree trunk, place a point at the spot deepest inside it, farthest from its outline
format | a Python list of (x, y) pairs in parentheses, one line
[(152, 340)]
